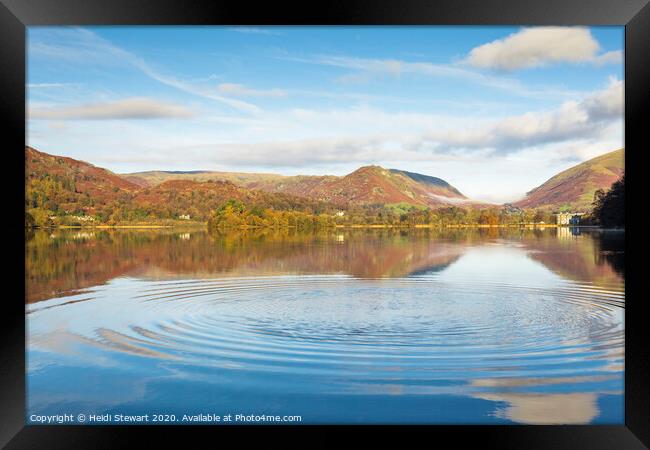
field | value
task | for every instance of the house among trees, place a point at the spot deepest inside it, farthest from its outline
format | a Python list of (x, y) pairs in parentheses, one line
[(568, 218)]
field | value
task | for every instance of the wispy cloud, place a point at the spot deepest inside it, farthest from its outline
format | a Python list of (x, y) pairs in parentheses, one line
[(299, 153), (196, 89), (541, 46), (130, 108), (81, 45), (257, 30), (48, 85), (365, 68), (234, 89)]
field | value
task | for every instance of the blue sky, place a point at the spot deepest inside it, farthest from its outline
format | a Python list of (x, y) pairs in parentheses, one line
[(493, 110)]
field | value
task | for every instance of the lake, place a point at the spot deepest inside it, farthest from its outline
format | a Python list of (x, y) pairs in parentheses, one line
[(455, 326)]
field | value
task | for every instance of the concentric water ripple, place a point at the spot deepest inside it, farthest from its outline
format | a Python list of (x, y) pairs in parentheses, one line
[(404, 329)]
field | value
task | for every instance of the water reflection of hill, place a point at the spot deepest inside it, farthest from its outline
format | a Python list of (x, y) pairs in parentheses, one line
[(68, 260), (588, 256), (65, 261)]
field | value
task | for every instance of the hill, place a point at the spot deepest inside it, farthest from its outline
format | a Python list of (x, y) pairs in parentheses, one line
[(71, 191), (574, 188), (366, 185), (66, 184), (155, 177), (87, 177), (376, 185), (198, 199)]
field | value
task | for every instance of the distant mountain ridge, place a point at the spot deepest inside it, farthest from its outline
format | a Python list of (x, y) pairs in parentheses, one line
[(155, 177), (184, 171), (573, 189), (366, 185)]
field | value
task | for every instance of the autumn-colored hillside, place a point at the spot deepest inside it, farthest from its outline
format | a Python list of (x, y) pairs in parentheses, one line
[(198, 199), (66, 184), (574, 188), (374, 184), (86, 177), (65, 191), (366, 185)]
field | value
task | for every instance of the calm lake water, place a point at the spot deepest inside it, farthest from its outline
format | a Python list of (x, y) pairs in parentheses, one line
[(360, 326)]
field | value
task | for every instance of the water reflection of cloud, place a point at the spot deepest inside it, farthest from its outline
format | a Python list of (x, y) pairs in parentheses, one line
[(521, 382), (66, 343), (545, 409), (540, 408)]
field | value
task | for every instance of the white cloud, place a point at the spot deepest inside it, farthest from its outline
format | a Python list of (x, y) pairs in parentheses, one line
[(241, 90), (301, 153), (572, 120), (457, 201), (540, 46), (130, 108), (606, 104)]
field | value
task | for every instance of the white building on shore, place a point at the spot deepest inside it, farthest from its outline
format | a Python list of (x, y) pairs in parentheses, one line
[(568, 218)]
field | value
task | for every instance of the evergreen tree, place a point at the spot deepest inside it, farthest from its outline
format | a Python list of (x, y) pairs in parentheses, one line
[(609, 207)]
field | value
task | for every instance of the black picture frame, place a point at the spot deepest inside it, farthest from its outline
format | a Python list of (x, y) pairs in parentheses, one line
[(16, 15)]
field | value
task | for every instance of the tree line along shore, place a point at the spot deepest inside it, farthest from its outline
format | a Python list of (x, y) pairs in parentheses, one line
[(608, 209)]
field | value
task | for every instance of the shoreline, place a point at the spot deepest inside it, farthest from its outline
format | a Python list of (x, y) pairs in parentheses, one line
[(108, 227), (204, 225)]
